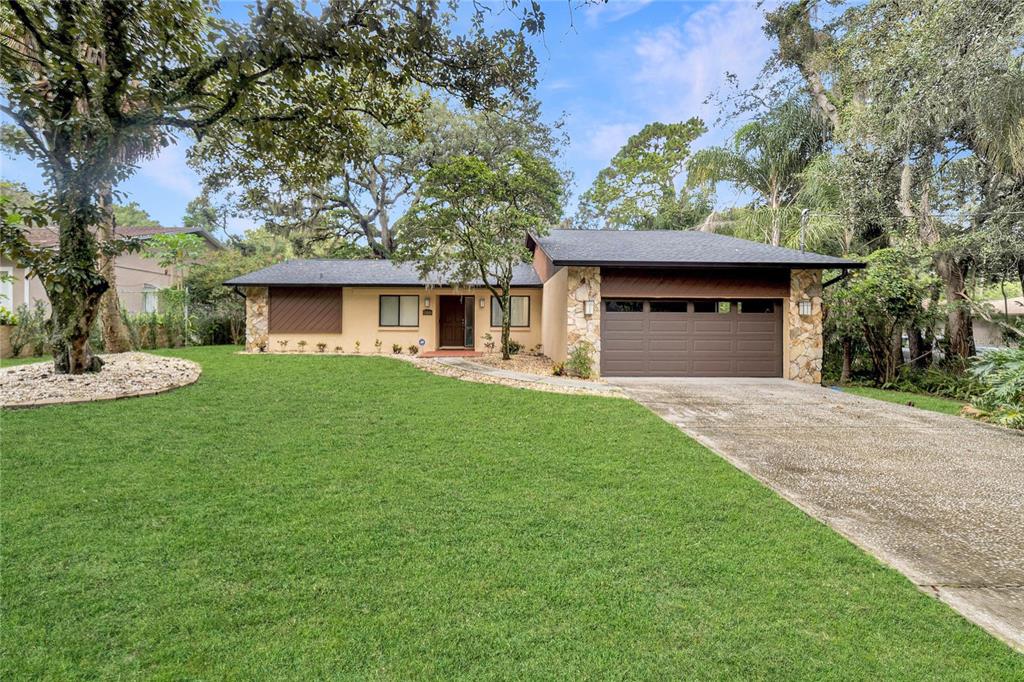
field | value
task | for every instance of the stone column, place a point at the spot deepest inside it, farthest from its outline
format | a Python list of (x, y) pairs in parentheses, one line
[(806, 343), (584, 284), (257, 319)]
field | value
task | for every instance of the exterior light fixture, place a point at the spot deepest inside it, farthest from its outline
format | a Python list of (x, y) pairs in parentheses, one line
[(805, 307), (588, 307), (482, 303), (426, 301)]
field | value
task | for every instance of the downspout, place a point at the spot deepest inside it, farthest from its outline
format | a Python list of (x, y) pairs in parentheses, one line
[(838, 278)]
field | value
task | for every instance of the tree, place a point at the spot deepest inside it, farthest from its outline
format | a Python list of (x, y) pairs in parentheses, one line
[(640, 189), (336, 200), (133, 215), (473, 217), (767, 157), (201, 214), (175, 251), (93, 88)]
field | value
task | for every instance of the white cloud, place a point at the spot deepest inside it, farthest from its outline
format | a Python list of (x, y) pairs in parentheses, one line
[(610, 12), (169, 170), (677, 67), (604, 140)]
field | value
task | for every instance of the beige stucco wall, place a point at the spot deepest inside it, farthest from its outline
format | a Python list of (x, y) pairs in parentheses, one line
[(803, 343), (132, 271), (554, 321), (360, 317)]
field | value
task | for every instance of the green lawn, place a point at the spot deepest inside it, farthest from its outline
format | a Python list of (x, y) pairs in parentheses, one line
[(920, 400), (307, 517)]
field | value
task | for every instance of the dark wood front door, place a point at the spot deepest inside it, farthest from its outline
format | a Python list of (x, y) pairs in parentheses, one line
[(452, 319)]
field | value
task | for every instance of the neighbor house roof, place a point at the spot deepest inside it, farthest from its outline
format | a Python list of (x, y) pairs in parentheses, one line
[(1012, 306), (673, 248), (49, 236), (359, 273)]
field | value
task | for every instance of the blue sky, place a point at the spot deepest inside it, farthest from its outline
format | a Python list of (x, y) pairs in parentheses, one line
[(609, 68)]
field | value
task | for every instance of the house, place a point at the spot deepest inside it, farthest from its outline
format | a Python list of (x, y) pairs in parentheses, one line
[(989, 334), (139, 277), (650, 303)]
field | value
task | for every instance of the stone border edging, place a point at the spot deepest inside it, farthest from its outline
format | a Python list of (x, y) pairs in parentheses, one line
[(192, 378)]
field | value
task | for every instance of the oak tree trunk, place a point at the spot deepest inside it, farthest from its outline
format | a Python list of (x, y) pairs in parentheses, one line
[(844, 376), (115, 333), (506, 323), (75, 294), (920, 348), (959, 325)]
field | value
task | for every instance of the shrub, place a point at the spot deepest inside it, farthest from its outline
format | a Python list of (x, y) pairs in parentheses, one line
[(7, 317), (357, 346), (1001, 373), (377, 345), (558, 369), (580, 362), (283, 343), (489, 342), (413, 349), (339, 349), (302, 346), (514, 347), (396, 348), (321, 347), (31, 330)]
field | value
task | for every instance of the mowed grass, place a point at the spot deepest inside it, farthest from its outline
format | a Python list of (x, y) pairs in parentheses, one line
[(921, 401), (310, 517)]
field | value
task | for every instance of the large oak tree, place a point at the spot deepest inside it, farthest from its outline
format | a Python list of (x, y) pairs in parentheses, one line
[(94, 87)]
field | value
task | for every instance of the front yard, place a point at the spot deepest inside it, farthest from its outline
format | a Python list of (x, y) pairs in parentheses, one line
[(300, 517)]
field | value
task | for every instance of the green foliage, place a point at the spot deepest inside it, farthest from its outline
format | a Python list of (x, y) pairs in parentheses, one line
[(7, 318), (514, 347), (133, 215), (396, 348), (640, 188), (580, 362), (203, 215), (175, 250), (413, 349), (558, 369), (473, 217), (1001, 373), (31, 331)]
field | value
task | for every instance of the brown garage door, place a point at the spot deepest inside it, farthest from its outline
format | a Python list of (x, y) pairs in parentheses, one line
[(693, 338)]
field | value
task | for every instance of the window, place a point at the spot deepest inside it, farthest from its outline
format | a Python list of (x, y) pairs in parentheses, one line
[(149, 299), (668, 306), (520, 311), (623, 306), (757, 307), (705, 306), (399, 311)]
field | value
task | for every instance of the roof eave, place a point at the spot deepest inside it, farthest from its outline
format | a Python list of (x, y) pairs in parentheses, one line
[(850, 265)]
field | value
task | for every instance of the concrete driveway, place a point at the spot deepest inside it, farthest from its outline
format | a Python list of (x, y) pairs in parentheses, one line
[(939, 498)]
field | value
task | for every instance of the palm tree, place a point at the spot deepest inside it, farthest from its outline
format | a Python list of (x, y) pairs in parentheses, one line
[(766, 157)]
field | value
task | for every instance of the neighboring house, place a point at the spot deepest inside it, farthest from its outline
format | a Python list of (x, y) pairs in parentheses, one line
[(651, 303), (990, 334), (139, 277)]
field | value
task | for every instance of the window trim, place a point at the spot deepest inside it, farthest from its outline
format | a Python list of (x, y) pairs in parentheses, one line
[(529, 311), (380, 311), (8, 302)]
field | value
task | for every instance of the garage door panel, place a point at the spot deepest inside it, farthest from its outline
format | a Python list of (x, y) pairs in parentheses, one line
[(712, 325), (692, 344)]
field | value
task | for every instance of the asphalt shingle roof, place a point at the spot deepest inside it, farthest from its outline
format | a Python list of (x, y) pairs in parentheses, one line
[(673, 247), (358, 273)]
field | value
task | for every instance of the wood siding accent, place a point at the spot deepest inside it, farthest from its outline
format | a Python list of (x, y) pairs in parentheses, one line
[(307, 310), (543, 265), (696, 283)]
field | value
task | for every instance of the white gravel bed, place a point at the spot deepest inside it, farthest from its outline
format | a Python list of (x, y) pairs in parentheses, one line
[(123, 375)]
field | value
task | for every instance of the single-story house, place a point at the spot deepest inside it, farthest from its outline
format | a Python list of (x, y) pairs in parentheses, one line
[(139, 276), (650, 303), (989, 334)]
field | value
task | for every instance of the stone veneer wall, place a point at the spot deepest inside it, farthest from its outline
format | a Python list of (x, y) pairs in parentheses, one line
[(805, 331), (257, 319), (584, 284)]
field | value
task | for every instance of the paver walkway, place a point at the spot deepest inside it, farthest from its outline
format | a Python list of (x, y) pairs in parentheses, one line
[(938, 497), (564, 382)]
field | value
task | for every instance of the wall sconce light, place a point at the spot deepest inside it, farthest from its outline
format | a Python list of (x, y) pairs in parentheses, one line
[(805, 307), (426, 301), (588, 307), (482, 303)]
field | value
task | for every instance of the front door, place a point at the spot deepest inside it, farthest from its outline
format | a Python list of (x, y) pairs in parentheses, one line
[(452, 320)]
